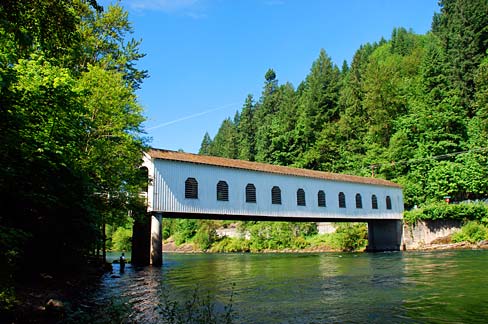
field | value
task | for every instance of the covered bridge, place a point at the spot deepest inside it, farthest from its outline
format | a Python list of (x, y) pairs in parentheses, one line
[(184, 185)]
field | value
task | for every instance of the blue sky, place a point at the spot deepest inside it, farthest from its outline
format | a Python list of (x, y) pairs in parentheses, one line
[(205, 56)]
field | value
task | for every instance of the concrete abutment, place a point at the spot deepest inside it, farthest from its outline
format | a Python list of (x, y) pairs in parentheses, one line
[(156, 240), (384, 235)]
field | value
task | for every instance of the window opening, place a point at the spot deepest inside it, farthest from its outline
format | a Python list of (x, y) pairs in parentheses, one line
[(222, 191), (301, 197), (359, 201), (276, 195), (374, 202), (388, 202), (250, 193), (191, 188), (342, 200), (321, 198)]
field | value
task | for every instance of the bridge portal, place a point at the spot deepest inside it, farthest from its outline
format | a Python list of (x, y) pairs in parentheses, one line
[(183, 185)]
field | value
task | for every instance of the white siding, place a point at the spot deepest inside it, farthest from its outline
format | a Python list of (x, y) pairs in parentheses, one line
[(168, 193)]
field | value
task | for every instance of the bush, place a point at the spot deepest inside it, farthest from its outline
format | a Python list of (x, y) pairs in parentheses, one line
[(185, 230), (351, 236), (441, 210), (471, 232), (122, 239), (206, 234), (325, 240), (231, 245)]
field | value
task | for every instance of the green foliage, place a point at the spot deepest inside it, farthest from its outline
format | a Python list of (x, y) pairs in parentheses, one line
[(347, 237), (278, 235), (472, 232), (231, 245), (412, 108), (442, 210), (351, 236), (185, 230), (205, 235), (70, 129), (122, 239), (7, 299)]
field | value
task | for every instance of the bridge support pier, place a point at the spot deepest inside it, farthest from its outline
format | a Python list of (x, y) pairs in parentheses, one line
[(141, 241), (156, 240), (384, 235)]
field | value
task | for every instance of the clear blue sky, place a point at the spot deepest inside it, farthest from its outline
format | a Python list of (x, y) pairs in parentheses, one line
[(205, 56)]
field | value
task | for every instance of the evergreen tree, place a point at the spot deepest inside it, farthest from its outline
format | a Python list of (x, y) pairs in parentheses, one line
[(318, 105), (462, 26), (247, 131), (206, 145), (224, 143)]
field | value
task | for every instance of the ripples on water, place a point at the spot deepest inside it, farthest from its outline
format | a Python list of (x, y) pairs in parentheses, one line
[(409, 287)]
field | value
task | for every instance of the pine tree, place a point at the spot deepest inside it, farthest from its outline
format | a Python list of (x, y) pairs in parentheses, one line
[(206, 145), (247, 131)]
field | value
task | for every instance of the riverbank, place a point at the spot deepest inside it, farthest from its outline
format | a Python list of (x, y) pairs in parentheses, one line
[(440, 244), (451, 246), (169, 246), (50, 297)]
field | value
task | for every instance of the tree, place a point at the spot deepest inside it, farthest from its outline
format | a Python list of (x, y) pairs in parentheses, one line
[(70, 131), (246, 130), (318, 105), (462, 27), (206, 145), (224, 143)]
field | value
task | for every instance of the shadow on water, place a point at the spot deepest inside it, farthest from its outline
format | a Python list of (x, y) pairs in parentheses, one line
[(408, 287)]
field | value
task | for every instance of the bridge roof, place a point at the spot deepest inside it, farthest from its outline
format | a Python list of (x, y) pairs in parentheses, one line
[(263, 167)]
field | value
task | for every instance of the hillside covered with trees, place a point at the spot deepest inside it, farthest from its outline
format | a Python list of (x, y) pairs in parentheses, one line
[(412, 109)]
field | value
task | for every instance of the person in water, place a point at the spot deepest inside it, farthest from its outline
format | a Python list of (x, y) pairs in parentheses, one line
[(122, 262)]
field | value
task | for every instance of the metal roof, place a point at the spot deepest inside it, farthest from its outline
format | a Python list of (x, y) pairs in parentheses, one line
[(263, 167)]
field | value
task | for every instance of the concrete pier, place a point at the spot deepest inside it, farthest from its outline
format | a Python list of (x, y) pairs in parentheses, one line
[(156, 240), (141, 241), (384, 235)]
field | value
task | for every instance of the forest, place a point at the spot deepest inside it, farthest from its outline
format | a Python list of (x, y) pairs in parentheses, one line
[(70, 134), (411, 109)]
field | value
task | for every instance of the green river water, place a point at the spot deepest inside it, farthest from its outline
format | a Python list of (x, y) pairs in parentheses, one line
[(402, 287)]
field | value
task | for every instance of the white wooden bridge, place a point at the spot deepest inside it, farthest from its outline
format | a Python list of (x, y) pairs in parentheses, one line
[(186, 185)]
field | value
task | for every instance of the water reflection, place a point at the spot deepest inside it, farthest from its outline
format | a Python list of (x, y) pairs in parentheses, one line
[(315, 288)]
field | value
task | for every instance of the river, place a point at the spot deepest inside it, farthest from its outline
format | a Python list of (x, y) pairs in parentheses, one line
[(401, 287)]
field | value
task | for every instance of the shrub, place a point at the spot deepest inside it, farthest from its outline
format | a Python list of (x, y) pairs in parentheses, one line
[(185, 230), (230, 245), (326, 240), (471, 232), (351, 236), (122, 239), (441, 210)]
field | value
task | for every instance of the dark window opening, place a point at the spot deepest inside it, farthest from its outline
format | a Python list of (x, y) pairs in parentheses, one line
[(321, 198), (276, 195), (388, 202), (359, 201), (374, 202), (222, 191), (301, 197), (250, 193), (342, 200), (191, 188)]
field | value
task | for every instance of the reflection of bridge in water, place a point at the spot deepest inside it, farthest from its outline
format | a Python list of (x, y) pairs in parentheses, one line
[(186, 185)]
